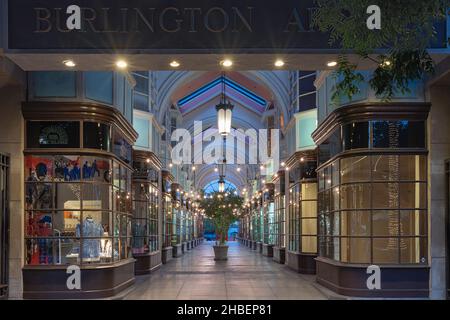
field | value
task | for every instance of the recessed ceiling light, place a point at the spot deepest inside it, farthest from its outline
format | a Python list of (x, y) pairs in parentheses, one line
[(332, 64), (226, 63), (174, 64), (69, 63), (279, 63), (121, 64)]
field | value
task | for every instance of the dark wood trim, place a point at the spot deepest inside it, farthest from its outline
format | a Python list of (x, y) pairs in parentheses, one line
[(397, 281), (143, 156), (49, 110), (368, 152), (295, 159), (167, 175), (147, 263), (370, 111), (304, 263), (49, 282)]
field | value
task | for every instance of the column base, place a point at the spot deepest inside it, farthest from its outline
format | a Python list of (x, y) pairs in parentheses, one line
[(397, 281), (50, 282), (301, 262), (177, 250), (267, 250), (259, 246), (279, 255), (147, 263), (166, 254)]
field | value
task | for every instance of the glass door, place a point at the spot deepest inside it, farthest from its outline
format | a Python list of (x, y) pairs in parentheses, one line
[(4, 224)]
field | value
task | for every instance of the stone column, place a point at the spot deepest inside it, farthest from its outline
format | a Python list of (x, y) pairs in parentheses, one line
[(12, 143), (439, 146)]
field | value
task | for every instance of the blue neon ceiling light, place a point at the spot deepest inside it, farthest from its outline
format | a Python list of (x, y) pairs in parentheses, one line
[(228, 82)]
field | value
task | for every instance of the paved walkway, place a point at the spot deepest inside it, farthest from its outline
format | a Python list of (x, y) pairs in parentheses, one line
[(246, 275)]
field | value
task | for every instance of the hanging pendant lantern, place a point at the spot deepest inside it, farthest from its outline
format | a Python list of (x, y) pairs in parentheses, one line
[(224, 113)]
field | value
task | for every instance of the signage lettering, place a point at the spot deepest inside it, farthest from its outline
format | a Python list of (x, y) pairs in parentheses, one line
[(210, 26), (169, 20)]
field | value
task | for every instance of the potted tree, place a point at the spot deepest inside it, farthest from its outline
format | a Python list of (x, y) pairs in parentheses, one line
[(223, 209)]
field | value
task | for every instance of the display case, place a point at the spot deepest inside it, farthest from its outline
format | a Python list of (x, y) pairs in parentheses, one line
[(268, 206), (167, 212), (373, 199), (177, 220), (78, 203), (145, 227), (279, 248), (302, 213)]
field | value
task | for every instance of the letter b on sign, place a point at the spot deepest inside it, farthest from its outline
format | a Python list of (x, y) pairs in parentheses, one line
[(374, 280)]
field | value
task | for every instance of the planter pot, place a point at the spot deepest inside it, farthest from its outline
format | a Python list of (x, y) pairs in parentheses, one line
[(220, 253)]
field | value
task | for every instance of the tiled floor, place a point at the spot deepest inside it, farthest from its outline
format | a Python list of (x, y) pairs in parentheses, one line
[(246, 275)]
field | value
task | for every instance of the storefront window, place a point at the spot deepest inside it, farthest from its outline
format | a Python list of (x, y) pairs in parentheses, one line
[(280, 221), (269, 222), (303, 217), (145, 219), (176, 223), (398, 134), (53, 134), (97, 136), (374, 210), (73, 215), (355, 135), (167, 220)]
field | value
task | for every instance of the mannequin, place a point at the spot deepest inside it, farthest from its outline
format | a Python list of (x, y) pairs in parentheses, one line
[(91, 247)]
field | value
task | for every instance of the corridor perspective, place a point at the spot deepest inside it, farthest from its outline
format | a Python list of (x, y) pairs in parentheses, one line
[(246, 275)]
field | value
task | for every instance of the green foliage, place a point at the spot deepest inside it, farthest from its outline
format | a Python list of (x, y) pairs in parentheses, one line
[(407, 29), (405, 66), (223, 211), (350, 80)]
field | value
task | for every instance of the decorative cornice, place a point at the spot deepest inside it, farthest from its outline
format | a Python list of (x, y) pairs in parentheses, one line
[(143, 156), (46, 110), (370, 111), (296, 158)]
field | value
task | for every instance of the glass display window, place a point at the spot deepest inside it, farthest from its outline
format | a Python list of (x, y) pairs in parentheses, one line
[(97, 135), (303, 207), (71, 212), (52, 134), (145, 218), (167, 219), (382, 214)]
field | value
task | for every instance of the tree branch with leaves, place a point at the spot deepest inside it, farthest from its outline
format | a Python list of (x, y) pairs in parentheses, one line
[(223, 209), (398, 50)]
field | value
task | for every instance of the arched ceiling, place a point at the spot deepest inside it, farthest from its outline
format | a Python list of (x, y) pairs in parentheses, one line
[(196, 94), (234, 92)]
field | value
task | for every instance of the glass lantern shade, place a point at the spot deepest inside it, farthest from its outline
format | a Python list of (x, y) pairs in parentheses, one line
[(224, 115), (221, 186)]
